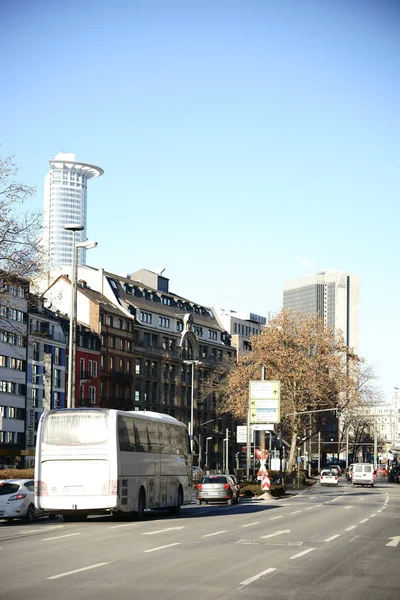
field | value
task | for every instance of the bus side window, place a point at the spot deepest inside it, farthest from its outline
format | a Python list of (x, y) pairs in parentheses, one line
[(153, 437), (141, 443), (126, 434)]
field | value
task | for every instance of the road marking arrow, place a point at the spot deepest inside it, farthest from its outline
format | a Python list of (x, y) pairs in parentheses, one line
[(395, 541), (276, 533)]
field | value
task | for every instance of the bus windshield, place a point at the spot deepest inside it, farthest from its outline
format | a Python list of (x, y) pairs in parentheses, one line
[(76, 429)]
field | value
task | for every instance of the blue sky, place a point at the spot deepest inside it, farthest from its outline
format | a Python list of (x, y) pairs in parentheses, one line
[(244, 143)]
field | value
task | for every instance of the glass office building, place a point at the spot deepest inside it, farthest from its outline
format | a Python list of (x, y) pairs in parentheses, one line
[(65, 203)]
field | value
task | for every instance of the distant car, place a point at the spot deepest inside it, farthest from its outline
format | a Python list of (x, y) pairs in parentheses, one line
[(17, 500), (349, 471), (235, 481), (217, 488), (328, 477), (336, 468)]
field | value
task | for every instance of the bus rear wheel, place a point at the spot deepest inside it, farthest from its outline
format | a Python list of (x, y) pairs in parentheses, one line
[(175, 510), (138, 514)]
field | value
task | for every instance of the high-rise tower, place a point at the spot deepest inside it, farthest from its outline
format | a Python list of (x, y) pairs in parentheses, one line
[(65, 203), (332, 295)]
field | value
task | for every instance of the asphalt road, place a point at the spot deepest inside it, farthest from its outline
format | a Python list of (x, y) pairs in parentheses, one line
[(326, 543)]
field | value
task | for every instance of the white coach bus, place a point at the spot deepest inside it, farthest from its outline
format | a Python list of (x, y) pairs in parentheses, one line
[(99, 461)]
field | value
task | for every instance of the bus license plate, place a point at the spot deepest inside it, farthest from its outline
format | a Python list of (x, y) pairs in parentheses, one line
[(74, 489)]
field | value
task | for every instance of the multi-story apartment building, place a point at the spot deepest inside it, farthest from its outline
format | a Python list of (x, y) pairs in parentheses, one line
[(332, 295), (156, 347), (87, 373), (241, 326), (65, 204), (46, 367), (14, 294)]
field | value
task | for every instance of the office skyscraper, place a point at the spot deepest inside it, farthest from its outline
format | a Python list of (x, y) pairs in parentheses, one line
[(65, 203), (332, 295)]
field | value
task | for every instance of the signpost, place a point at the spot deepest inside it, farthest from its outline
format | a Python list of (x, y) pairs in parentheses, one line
[(264, 411)]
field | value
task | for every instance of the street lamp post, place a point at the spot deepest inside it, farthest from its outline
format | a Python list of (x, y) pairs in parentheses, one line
[(73, 310), (193, 363), (206, 465)]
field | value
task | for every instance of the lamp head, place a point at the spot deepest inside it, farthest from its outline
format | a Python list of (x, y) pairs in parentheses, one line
[(74, 227)]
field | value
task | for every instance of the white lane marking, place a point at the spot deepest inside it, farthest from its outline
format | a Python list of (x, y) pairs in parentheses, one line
[(347, 507), (274, 518), (55, 527), (295, 512), (379, 511), (124, 525), (163, 530), (78, 570), (310, 508), (333, 500), (333, 537), (302, 553), (263, 537), (215, 533), (162, 547), (374, 515), (250, 524), (364, 520), (255, 577), (350, 528), (58, 537)]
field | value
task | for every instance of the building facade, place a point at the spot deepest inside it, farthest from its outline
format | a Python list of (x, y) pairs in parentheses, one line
[(157, 347), (14, 294), (65, 204), (332, 295), (241, 326), (46, 367)]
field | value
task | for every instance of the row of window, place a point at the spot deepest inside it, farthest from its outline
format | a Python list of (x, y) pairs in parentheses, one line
[(241, 329), (124, 325), (14, 339), (15, 290), (12, 363), (10, 387), (38, 399), (91, 370), (11, 313), (166, 300), (137, 435), (10, 437), (165, 322), (10, 412)]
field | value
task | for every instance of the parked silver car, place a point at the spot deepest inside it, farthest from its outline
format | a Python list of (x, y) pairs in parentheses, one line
[(217, 488)]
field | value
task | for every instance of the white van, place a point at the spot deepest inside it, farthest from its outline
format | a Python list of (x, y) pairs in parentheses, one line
[(363, 474)]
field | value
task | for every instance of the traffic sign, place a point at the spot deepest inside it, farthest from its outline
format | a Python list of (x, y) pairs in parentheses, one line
[(264, 404)]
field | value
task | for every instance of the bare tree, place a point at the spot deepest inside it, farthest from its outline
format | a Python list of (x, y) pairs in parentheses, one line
[(316, 369), (20, 252)]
